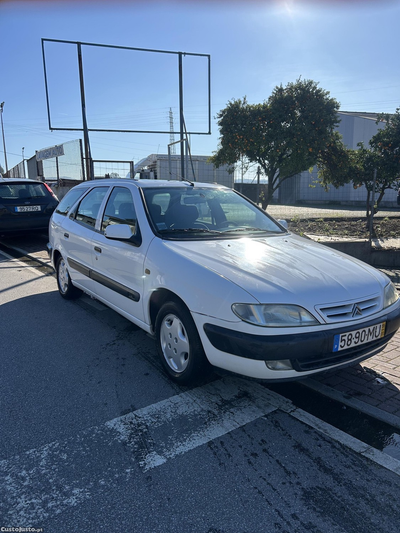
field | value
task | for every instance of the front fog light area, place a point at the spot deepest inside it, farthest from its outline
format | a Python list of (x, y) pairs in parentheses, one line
[(279, 364)]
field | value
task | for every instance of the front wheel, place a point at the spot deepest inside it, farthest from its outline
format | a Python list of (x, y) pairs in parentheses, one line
[(65, 287), (179, 344)]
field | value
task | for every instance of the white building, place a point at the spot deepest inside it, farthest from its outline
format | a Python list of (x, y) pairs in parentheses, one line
[(355, 128), (197, 168)]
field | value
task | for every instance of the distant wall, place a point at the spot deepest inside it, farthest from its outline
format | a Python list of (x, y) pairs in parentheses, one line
[(304, 187)]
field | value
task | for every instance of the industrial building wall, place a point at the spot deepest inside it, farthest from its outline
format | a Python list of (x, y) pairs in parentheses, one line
[(357, 129), (310, 191), (203, 171), (304, 187)]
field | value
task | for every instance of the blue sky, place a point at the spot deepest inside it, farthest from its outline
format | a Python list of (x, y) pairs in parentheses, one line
[(350, 47)]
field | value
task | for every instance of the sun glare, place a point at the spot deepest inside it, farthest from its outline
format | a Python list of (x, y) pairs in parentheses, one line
[(289, 7)]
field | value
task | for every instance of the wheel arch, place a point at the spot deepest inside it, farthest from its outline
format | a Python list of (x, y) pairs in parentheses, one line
[(56, 255), (158, 298)]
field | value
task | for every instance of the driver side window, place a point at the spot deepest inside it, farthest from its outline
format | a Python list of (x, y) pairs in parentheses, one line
[(120, 209)]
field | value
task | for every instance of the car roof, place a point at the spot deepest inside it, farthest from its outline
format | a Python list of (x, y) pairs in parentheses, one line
[(151, 183), (19, 180)]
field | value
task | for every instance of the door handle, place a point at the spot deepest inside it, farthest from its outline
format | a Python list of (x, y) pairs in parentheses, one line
[(66, 235), (97, 249)]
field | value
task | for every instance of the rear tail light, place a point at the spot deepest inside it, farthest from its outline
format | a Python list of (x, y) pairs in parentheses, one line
[(50, 191)]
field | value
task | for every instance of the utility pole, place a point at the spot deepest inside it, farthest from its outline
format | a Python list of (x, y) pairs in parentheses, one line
[(171, 129), (4, 140), (23, 161)]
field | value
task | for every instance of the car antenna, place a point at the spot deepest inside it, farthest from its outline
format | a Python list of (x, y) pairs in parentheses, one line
[(188, 181)]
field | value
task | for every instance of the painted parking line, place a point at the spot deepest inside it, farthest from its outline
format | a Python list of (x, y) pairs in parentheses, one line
[(192, 419), (45, 481)]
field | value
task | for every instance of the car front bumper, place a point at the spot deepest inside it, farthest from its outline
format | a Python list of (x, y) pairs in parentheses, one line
[(308, 352)]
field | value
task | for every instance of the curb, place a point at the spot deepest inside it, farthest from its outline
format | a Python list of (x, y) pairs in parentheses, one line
[(359, 405)]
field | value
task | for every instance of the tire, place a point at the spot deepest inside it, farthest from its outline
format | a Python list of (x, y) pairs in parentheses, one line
[(64, 283), (179, 345)]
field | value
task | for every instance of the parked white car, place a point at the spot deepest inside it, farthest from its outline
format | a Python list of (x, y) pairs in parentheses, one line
[(218, 281)]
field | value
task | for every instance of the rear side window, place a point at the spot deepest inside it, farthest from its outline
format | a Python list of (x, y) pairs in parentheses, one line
[(69, 200), (89, 207), (22, 191)]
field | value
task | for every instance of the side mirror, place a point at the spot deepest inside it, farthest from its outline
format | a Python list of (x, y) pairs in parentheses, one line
[(123, 232)]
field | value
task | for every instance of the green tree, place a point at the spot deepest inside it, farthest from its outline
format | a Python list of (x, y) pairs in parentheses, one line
[(283, 135), (379, 164), (386, 146)]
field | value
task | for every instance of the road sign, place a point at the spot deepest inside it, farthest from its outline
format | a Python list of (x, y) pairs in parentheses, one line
[(48, 153)]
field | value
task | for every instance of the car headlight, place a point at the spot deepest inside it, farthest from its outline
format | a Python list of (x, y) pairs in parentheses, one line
[(274, 315), (390, 296)]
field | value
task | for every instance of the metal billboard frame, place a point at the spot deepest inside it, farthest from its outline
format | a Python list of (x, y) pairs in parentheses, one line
[(85, 129)]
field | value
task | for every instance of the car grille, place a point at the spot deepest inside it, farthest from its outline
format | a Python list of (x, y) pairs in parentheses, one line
[(350, 311)]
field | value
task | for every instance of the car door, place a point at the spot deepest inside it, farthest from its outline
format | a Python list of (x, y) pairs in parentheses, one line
[(118, 265), (77, 235)]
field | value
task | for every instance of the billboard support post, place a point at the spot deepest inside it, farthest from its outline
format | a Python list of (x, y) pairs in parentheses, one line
[(88, 156), (181, 117)]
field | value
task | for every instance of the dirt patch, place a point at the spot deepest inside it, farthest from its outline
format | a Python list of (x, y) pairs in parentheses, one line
[(384, 228)]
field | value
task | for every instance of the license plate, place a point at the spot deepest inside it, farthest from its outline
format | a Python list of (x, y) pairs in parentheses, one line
[(26, 208), (359, 336)]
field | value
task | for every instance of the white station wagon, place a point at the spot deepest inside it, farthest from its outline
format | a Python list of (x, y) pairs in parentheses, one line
[(217, 281)]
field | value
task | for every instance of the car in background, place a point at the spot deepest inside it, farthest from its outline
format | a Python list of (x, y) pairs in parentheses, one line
[(25, 205), (217, 281)]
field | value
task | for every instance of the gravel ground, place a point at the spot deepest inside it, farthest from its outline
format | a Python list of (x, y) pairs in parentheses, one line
[(340, 211)]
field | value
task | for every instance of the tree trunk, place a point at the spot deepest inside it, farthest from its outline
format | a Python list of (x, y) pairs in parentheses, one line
[(379, 200), (368, 207)]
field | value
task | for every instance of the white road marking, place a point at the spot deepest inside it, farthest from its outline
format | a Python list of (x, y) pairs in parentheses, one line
[(191, 419), (44, 481), (23, 265), (381, 458)]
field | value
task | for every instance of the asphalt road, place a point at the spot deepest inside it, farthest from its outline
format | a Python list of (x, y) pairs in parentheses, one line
[(94, 437)]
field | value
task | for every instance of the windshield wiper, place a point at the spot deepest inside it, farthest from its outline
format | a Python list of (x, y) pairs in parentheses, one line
[(249, 228), (188, 230)]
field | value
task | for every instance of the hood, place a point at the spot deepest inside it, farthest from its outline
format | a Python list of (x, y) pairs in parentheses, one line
[(285, 269)]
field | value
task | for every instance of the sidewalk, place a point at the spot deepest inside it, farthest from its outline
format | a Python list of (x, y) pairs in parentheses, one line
[(372, 387)]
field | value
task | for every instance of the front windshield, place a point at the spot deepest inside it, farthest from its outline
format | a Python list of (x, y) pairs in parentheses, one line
[(202, 212)]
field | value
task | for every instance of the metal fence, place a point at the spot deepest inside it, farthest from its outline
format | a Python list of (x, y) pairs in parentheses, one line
[(17, 172), (112, 169), (57, 169)]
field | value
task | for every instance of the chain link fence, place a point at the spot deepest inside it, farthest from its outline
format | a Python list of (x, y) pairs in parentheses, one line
[(59, 169), (112, 169)]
